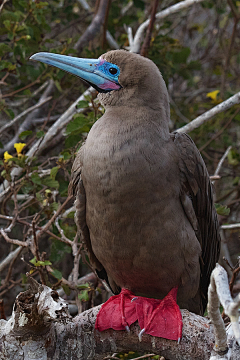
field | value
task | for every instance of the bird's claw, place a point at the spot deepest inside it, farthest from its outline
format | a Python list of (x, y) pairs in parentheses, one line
[(133, 299), (141, 334), (127, 328)]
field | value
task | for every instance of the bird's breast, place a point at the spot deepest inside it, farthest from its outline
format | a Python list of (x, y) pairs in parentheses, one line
[(133, 211)]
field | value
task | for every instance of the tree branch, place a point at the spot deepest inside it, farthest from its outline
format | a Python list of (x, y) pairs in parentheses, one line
[(94, 27), (227, 104), (159, 16)]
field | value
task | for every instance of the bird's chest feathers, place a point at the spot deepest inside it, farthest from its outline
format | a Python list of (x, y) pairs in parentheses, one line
[(117, 156)]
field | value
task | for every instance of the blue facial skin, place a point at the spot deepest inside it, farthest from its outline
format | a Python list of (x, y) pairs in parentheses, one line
[(99, 73)]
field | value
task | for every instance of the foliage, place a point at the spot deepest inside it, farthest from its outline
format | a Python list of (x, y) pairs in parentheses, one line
[(197, 52)]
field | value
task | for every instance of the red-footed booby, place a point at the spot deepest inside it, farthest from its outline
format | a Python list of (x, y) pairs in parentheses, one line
[(144, 203)]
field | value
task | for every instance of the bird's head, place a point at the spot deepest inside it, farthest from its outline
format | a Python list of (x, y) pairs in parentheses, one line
[(120, 77)]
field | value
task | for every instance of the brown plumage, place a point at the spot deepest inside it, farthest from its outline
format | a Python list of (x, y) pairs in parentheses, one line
[(144, 202)]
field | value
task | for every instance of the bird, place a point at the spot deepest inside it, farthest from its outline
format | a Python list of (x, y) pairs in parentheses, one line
[(144, 199)]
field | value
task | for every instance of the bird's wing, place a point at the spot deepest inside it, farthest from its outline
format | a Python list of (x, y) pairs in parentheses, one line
[(76, 188), (196, 185)]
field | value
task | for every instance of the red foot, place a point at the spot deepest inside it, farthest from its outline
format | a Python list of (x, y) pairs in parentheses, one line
[(161, 318)]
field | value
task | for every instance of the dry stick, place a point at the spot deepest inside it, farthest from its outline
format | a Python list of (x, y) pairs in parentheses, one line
[(147, 40), (221, 162), (232, 281), (25, 112), (13, 241), (226, 65), (9, 273), (233, 100), (10, 257), (23, 88), (24, 100), (27, 123), (94, 27), (46, 227), (2, 5), (220, 131), (159, 16), (143, 356), (2, 312), (36, 251), (105, 24), (231, 226), (218, 292)]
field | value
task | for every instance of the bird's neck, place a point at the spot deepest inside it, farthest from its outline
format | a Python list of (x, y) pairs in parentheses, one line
[(155, 119)]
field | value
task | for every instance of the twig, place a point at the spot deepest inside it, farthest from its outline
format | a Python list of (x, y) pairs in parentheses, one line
[(159, 16), (10, 257), (2, 5), (233, 278), (66, 240), (24, 100), (23, 88), (220, 131), (230, 226), (49, 223), (233, 100), (105, 24), (228, 54), (27, 123), (218, 291), (13, 241), (84, 4), (94, 27), (111, 41), (147, 40), (221, 162), (2, 312), (25, 112), (143, 356)]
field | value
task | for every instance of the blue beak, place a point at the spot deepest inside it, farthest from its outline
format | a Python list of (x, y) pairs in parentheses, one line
[(100, 74)]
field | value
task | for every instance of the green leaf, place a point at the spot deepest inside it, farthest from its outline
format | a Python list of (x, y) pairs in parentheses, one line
[(4, 48), (222, 209), (71, 215), (82, 104), (40, 134), (39, 263), (50, 182), (83, 296), (233, 157), (57, 274), (54, 171), (24, 279), (58, 86), (78, 122), (66, 289), (83, 286), (24, 134), (36, 178)]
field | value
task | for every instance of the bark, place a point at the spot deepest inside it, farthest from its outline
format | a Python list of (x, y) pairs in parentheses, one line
[(41, 328)]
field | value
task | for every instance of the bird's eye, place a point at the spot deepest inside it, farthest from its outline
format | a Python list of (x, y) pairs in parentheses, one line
[(113, 70)]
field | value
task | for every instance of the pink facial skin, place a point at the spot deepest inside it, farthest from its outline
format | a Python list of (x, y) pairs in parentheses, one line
[(109, 85)]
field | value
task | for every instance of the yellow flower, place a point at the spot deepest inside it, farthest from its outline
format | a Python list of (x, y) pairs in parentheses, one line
[(7, 156), (19, 147), (213, 95)]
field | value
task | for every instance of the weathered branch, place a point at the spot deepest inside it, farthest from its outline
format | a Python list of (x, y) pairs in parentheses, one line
[(25, 112), (159, 16), (221, 162), (225, 105), (218, 292), (94, 27), (40, 312)]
